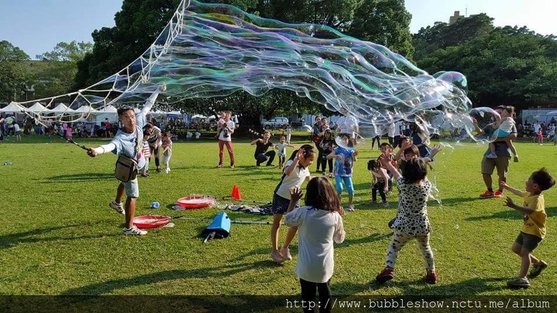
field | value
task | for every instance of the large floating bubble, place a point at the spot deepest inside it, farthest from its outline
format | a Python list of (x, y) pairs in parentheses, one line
[(213, 50), (482, 124)]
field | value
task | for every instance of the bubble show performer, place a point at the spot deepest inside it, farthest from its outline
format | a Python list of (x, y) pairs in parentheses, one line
[(124, 143)]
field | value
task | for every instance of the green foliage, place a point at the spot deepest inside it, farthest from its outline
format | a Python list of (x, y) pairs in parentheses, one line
[(60, 237), (441, 35), (334, 13), (12, 71), (139, 22), (385, 22), (510, 65), (137, 26), (67, 52)]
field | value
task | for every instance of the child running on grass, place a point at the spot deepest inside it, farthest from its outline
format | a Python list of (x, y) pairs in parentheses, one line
[(533, 230), (295, 172), (146, 153), (379, 181), (345, 157), (166, 150), (412, 220), (281, 148), (320, 224)]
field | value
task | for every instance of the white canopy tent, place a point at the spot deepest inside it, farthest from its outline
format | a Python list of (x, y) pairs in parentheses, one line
[(108, 109), (157, 113), (61, 109), (13, 108), (108, 112), (174, 113), (38, 108), (85, 109)]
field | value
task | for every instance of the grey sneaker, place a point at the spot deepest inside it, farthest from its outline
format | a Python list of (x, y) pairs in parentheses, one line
[(134, 231), (520, 282), (537, 269), (117, 206)]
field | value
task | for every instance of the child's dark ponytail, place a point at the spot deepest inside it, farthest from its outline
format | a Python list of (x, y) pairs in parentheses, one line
[(308, 151)]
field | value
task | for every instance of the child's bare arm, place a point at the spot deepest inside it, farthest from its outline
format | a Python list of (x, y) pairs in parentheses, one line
[(387, 165), (434, 151), (332, 155), (373, 178), (385, 179), (510, 203), (407, 144), (504, 185)]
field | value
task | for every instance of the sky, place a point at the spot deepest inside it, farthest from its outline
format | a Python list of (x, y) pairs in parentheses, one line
[(538, 15), (36, 26)]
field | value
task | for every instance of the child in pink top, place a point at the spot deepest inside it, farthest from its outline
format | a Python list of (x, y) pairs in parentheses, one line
[(166, 150)]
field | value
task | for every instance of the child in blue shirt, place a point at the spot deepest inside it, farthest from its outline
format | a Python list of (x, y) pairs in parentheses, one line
[(344, 162)]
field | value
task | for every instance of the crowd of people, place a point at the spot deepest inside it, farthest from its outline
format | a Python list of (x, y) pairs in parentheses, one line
[(403, 163)]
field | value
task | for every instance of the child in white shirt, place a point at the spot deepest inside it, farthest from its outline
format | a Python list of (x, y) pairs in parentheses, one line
[(320, 224)]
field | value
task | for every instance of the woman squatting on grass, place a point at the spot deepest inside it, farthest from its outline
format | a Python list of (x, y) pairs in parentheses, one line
[(320, 224), (295, 172), (128, 141)]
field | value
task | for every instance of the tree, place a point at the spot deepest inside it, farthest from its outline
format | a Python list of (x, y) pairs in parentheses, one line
[(139, 22), (12, 71), (137, 26), (385, 22), (509, 65), (334, 13), (67, 52)]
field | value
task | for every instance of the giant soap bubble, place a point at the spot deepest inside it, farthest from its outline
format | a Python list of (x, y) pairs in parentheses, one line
[(213, 50)]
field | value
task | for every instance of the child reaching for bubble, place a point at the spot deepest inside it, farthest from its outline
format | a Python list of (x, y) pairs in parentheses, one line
[(412, 219), (379, 182), (533, 230), (320, 224), (296, 171), (344, 157), (146, 153), (166, 150), (506, 126), (281, 148)]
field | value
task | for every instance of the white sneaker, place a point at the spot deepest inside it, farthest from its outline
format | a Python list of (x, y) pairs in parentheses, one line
[(491, 155), (134, 231), (285, 252), (117, 207)]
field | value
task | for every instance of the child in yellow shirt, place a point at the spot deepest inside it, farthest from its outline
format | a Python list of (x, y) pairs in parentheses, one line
[(533, 231)]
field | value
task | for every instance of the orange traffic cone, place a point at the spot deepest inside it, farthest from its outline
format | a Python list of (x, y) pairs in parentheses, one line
[(236, 193)]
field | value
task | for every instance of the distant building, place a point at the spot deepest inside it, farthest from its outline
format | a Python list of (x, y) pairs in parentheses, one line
[(455, 17)]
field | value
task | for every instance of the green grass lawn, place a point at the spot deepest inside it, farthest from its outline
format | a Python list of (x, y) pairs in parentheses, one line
[(58, 236)]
